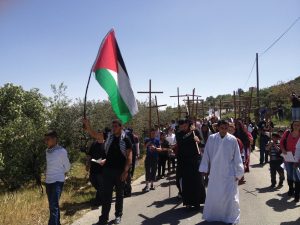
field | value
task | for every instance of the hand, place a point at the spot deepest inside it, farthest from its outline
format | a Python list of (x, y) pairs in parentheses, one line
[(296, 165), (152, 147), (197, 139), (86, 124), (193, 127), (284, 152), (102, 162), (124, 176), (204, 174), (237, 179)]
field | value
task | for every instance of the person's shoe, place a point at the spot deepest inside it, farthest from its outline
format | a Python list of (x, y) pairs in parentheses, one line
[(279, 186), (152, 188), (101, 222), (291, 191), (117, 220), (179, 196), (297, 192), (146, 189)]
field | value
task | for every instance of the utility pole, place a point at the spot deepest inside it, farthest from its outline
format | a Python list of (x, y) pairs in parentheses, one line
[(257, 82)]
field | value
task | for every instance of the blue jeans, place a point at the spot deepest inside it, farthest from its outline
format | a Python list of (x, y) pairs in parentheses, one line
[(54, 191), (296, 113), (291, 172)]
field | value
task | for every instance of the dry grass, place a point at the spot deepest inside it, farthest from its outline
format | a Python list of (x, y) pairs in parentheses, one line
[(30, 207)]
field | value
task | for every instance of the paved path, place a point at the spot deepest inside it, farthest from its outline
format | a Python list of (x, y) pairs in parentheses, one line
[(259, 204)]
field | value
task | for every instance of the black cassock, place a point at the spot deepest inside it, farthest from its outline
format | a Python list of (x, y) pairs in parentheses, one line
[(188, 158)]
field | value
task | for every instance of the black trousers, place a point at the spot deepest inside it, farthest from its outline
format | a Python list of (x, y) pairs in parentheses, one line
[(133, 164), (150, 168), (262, 145), (162, 162), (96, 180), (275, 167), (112, 178), (171, 163)]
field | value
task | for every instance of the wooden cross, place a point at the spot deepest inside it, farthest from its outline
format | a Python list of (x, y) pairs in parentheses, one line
[(150, 92), (178, 96), (193, 100), (196, 102), (157, 111)]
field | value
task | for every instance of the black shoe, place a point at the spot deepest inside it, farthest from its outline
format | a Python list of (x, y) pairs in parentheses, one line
[(152, 188), (146, 189), (279, 186), (117, 220), (291, 191), (101, 222), (297, 191)]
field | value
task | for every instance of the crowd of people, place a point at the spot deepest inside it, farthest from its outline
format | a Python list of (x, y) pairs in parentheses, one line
[(209, 157)]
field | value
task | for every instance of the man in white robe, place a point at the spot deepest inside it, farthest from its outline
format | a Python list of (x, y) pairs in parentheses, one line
[(222, 161)]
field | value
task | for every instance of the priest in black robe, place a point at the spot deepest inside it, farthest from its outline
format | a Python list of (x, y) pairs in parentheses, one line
[(189, 158)]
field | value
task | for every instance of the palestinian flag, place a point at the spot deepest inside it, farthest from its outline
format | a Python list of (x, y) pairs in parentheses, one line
[(111, 73)]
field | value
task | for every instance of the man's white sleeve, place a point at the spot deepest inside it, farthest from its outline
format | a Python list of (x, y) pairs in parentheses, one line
[(205, 162), (65, 161), (238, 163)]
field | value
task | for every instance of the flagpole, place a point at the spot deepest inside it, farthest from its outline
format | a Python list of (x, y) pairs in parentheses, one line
[(86, 90)]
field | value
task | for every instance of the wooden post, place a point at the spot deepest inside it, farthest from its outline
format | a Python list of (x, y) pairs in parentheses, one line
[(214, 108), (239, 93), (220, 108), (197, 106), (203, 112), (178, 96), (157, 110), (178, 104), (193, 101), (250, 103), (234, 104), (257, 82), (188, 106)]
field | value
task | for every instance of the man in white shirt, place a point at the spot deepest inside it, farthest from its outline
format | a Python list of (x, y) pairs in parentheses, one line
[(57, 165)]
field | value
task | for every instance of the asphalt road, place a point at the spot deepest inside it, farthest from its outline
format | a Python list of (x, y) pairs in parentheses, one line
[(260, 205)]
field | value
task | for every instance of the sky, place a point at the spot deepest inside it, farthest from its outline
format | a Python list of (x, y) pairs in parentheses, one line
[(208, 45)]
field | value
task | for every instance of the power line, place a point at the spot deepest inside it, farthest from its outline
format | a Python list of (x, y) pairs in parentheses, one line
[(249, 76), (268, 48), (278, 39)]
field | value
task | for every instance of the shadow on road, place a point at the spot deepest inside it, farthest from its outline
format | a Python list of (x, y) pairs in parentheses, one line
[(257, 165), (291, 222), (280, 205), (168, 183), (71, 209), (172, 216), (211, 223), (266, 189), (169, 201)]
